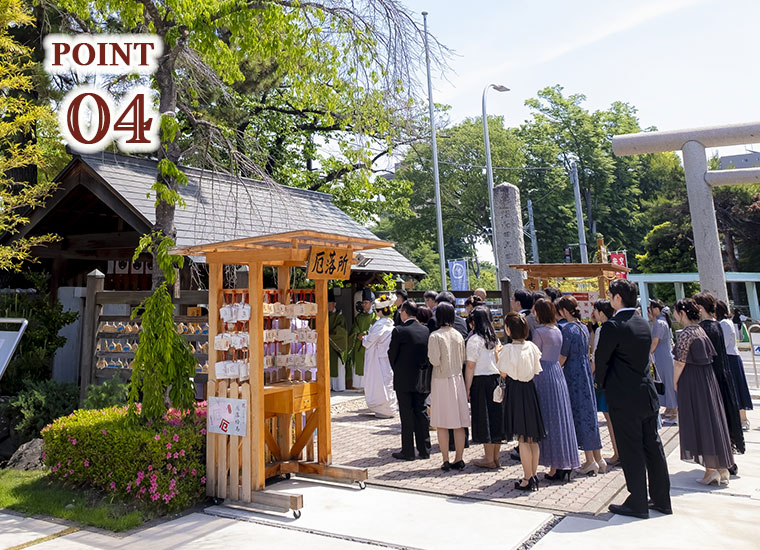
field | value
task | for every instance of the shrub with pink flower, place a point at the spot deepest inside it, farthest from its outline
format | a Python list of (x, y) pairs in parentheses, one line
[(106, 450)]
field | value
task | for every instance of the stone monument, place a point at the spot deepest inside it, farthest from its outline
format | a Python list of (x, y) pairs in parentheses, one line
[(509, 232)]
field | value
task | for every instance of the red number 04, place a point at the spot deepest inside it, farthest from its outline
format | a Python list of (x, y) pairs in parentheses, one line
[(138, 125), (103, 116)]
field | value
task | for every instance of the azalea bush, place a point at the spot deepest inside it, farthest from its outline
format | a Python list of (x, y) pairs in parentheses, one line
[(160, 464)]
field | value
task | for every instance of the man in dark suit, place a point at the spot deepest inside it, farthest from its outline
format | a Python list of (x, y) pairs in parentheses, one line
[(622, 370), (407, 354), (401, 297)]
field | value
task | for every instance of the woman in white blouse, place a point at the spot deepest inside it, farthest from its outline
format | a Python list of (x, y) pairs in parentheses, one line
[(481, 378), (519, 362)]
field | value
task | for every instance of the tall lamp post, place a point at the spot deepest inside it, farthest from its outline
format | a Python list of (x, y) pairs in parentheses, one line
[(489, 170)]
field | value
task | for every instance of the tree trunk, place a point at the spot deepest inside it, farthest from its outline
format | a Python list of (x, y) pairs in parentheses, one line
[(167, 90)]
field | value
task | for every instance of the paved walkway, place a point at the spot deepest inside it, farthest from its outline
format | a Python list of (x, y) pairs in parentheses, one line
[(415, 505), (362, 440)]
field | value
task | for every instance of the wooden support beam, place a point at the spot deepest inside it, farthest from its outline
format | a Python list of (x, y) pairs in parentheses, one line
[(233, 443), (345, 473), (245, 480), (324, 438), (274, 448), (221, 450), (304, 436), (256, 365)]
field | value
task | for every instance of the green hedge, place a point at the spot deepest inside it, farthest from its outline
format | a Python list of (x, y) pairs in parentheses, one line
[(161, 465)]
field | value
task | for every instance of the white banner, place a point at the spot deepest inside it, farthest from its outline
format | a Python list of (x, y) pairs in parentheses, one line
[(226, 416)]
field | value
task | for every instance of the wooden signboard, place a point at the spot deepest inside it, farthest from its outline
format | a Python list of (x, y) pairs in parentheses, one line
[(329, 263)]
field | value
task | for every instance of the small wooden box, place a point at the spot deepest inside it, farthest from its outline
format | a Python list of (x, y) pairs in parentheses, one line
[(194, 312)]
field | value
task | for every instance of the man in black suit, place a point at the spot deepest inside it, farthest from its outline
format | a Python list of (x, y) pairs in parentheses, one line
[(622, 370), (401, 297), (408, 354)]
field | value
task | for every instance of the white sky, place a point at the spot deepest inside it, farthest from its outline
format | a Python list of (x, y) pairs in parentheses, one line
[(682, 63)]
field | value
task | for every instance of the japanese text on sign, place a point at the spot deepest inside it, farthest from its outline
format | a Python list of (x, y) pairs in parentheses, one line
[(619, 258), (329, 263), (226, 416)]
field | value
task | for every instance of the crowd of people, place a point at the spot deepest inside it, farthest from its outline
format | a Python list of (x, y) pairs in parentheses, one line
[(545, 385)]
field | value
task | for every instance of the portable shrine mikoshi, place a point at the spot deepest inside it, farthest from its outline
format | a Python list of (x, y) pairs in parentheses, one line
[(269, 372), (539, 274)]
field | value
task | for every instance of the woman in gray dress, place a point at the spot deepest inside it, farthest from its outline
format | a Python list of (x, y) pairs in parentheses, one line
[(662, 354)]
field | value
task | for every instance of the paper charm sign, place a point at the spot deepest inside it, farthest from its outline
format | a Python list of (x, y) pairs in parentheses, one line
[(226, 416), (329, 263)]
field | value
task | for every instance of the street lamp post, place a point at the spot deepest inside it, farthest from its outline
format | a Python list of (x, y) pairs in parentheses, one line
[(489, 169)]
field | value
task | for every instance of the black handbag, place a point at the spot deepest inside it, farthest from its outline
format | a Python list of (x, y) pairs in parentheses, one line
[(659, 385), (424, 377)]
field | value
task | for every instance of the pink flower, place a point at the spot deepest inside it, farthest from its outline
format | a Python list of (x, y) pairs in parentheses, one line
[(176, 455), (44, 455), (175, 438), (129, 487), (113, 486), (203, 431), (150, 467), (86, 463), (203, 480), (194, 472), (155, 497), (103, 432), (157, 437), (168, 456), (182, 452), (74, 441)]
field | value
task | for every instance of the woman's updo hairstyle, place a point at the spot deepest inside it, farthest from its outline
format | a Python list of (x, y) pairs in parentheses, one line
[(707, 301), (689, 308), (569, 304)]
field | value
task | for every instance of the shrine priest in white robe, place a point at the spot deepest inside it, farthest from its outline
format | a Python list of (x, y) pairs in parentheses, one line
[(378, 375)]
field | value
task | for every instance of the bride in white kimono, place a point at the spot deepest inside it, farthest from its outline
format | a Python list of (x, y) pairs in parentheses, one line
[(378, 375)]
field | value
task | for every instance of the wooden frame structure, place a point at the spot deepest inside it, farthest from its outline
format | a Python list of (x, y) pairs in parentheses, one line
[(539, 274), (283, 418)]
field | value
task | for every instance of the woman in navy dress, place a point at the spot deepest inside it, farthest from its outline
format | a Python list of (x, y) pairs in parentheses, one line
[(559, 449), (580, 385), (735, 364)]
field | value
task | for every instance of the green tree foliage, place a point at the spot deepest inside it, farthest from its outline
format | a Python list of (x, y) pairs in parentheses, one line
[(464, 191), (164, 364), (614, 190), (39, 404), (23, 125)]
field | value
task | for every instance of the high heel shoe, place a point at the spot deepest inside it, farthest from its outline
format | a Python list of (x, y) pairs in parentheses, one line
[(458, 465), (713, 477), (724, 475), (528, 487), (534, 481), (602, 466), (558, 475), (591, 469)]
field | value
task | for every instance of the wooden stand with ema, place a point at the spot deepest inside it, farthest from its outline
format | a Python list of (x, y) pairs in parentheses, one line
[(263, 420)]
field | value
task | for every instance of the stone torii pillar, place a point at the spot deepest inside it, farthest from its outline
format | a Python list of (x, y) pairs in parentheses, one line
[(699, 183)]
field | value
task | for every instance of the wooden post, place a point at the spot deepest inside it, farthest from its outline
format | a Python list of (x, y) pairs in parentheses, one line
[(284, 421), (256, 358), (215, 282), (95, 284), (506, 296), (324, 443)]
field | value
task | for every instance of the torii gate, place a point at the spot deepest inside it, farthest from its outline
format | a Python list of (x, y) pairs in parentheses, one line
[(699, 183)]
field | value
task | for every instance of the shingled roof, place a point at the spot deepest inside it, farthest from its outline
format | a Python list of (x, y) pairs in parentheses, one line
[(221, 207)]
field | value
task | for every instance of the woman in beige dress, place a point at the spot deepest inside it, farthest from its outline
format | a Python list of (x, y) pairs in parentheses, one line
[(448, 394)]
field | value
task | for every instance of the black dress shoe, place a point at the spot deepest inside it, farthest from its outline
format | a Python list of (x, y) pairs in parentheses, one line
[(458, 465), (662, 509), (401, 456), (514, 455), (446, 466), (733, 470), (622, 510), (423, 456)]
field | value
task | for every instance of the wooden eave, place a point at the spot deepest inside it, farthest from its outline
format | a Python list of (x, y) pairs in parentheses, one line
[(542, 271)]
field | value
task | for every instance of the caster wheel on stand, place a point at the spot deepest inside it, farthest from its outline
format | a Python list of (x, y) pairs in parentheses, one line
[(362, 485), (286, 476), (296, 514)]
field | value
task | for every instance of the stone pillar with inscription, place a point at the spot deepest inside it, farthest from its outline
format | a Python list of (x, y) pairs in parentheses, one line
[(509, 232)]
